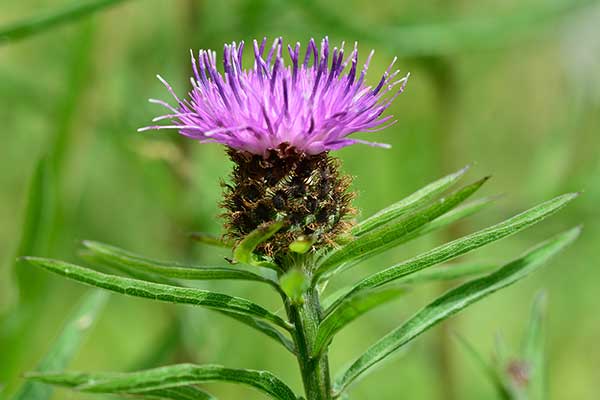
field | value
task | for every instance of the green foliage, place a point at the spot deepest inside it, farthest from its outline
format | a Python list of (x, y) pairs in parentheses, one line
[(157, 291), (112, 255), (453, 302), (173, 376), (419, 198), (66, 345), (394, 233), (312, 329), (460, 246), (348, 311), (79, 119)]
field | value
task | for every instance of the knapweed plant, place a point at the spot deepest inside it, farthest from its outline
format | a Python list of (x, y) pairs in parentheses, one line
[(289, 222)]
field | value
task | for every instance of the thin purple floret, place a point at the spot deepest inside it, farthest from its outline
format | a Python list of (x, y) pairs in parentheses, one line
[(312, 106)]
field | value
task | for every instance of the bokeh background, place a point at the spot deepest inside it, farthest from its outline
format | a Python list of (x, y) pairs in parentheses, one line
[(512, 86)]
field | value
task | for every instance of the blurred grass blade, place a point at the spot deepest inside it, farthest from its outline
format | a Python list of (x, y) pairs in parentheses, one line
[(244, 251), (157, 291), (454, 301), (492, 373), (388, 236), (534, 352), (264, 328), (350, 310), (462, 245), (211, 240), (42, 22), (408, 204), (66, 345), (128, 260), (37, 230), (172, 376)]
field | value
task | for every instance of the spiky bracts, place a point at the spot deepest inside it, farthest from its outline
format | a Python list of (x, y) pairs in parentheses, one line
[(305, 191)]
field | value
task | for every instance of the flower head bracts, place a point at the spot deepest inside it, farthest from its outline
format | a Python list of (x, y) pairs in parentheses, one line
[(313, 105)]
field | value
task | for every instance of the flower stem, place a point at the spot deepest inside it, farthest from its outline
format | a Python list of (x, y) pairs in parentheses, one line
[(315, 371)]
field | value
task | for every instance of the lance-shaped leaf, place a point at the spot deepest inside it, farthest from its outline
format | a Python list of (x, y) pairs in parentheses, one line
[(158, 291), (389, 235), (462, 246), (66, 345), (408, 204), (348, 311), (211, 240), (175, 393), (448, 272), (173, 376), (441, 222), (244, 251), (252, 322), (452, 302), (113, 255)]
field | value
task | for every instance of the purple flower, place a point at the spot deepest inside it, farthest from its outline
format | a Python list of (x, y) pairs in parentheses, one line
[(313, 104)]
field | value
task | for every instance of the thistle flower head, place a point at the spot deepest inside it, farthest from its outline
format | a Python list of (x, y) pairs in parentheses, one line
[(311, 104)]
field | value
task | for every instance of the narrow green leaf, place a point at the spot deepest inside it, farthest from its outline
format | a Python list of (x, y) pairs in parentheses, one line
[(447, 273), (533, 350), (492, 373), (42, 22), (157, 291), (463, 211), (244, 251), (114, 255), (247, 320), (180, 375), (176, 393), (264, 328), (211, 240), (389, 235), (103, 265), (463, 245), (454, 301), (348, 311), (73, 380), (408, 204), (441, 222), (66, 345)]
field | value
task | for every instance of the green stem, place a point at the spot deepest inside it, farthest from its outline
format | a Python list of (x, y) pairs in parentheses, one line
[(315, 371)]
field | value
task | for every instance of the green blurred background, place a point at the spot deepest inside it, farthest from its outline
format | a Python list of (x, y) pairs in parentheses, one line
[(513, 86)]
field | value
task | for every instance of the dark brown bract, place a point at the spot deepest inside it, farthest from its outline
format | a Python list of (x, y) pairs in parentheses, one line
[(305, 191)]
